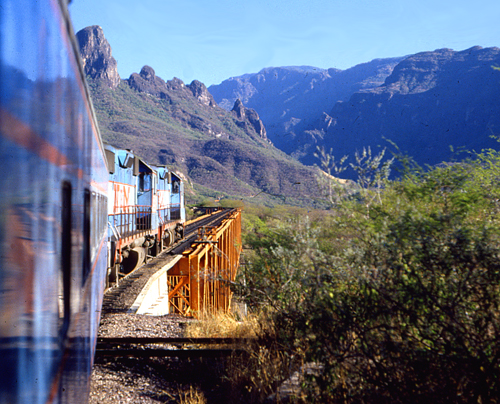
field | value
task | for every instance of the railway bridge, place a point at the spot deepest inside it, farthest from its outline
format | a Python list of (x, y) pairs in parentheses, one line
[(196, 276)]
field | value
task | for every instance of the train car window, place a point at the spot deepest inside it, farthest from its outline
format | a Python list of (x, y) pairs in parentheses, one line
[(126, 160), (66, 245), (175, 187), (122, 161), (141, 183), (144, 182), (86, 234)]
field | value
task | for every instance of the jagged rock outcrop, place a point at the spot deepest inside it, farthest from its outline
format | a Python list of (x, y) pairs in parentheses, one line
[(147, 82), (176, 84), (96, 56), (239, 109), (247, 114), (200, 91)]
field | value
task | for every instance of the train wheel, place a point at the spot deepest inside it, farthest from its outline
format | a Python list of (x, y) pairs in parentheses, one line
[(113, 275), (155, 249), (168, 238), (135, 259)]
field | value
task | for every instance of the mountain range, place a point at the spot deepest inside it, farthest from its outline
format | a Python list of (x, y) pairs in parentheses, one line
[(430, 105), (256, 135), (291, 99), (219, 152)]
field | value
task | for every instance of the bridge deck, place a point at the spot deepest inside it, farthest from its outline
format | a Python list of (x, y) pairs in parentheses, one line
[(199, 280)]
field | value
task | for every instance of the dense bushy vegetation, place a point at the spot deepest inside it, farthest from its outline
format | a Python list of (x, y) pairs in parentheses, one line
[(394, 293)]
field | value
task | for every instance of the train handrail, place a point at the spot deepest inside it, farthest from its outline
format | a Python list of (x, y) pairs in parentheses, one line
[(115, 231)]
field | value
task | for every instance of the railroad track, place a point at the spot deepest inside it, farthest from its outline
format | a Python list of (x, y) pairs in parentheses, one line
[(191, 230), (182, 348), (115, 299)]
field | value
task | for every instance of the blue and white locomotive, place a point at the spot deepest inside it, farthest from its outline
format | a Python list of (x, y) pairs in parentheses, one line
[(58, 243), (145, 210)]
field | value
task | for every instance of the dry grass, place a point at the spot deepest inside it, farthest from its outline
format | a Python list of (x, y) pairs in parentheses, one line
[(257, 374), (192, 396), (224, 325)]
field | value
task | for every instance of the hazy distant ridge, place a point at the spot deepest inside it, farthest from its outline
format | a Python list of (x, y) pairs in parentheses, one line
[(425, 103), (431, 101), (289, 99)]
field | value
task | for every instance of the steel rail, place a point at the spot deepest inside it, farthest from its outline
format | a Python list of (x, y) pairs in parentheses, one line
[(170, 340), (214, 220), (173, 353), (173, 347)]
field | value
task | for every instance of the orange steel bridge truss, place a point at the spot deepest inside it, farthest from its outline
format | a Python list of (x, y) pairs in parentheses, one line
[(200, 282)]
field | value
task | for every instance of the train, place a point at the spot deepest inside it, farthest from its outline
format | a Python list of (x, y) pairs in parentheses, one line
[(145, 209), (75, 214)]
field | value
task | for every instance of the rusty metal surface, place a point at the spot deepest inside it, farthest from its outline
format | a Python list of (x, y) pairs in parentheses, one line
[(200, 281), (217, 231)]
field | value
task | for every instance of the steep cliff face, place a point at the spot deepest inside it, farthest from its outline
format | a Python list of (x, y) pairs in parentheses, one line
[(96, 55), (431, 101), (201, 93)]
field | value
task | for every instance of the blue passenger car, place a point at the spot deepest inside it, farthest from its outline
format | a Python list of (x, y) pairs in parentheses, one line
[(53, 197)]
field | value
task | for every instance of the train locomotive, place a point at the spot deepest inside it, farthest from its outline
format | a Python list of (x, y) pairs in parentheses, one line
[(145, 208), (74, 212)]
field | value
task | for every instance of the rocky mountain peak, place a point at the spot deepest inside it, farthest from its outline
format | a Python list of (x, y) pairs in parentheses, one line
[(251, 116), (175, 84), (239, 109), (147, 82), (200, 91), (96, 56), (148, 73)]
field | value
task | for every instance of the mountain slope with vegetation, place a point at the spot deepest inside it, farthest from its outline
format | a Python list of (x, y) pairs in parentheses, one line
[(221, 153)]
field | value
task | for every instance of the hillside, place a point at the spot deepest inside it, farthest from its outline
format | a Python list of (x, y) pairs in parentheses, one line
[(221, 153), (431, 105), (290, 99)]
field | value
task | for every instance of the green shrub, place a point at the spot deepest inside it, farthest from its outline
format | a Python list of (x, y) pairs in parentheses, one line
[(397, 299)]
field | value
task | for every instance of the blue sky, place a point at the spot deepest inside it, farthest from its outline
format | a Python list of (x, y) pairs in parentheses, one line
[(212, 40)]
